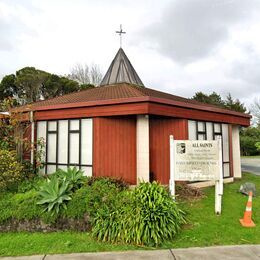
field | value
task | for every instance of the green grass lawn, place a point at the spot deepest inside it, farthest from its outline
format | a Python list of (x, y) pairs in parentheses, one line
[(204, 228), (208, 229)]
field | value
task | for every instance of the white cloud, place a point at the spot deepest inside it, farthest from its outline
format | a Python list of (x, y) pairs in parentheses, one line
[(177, 46), (192, 30)]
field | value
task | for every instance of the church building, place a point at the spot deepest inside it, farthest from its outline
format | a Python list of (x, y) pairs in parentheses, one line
[(121, 128)]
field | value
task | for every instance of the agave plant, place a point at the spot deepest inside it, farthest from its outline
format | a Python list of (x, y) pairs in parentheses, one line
[(73, 176), (54, 194)]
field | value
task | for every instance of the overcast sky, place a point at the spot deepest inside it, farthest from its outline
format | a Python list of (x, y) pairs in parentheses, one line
[(178, 46)]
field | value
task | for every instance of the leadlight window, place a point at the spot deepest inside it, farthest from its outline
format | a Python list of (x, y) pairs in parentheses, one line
[(200, 130), (68, 143)]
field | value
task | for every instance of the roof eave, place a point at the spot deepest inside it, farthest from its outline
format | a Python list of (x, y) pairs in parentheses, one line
[(143, 99)]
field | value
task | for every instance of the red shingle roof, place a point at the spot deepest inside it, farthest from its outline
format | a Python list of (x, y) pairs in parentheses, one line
[(122, 93)]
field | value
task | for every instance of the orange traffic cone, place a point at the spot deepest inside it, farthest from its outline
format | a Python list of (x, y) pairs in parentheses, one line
[(247, 220)]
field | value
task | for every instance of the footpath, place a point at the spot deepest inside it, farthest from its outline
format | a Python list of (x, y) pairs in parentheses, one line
[(251, 252)]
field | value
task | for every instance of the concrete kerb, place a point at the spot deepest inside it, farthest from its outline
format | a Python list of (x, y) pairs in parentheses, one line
[(251, 252)]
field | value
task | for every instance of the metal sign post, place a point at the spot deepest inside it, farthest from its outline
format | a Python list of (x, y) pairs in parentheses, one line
[(219, 180)]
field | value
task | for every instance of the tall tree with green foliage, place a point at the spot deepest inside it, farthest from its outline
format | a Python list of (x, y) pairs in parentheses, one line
[(8, 87), (55, 86), (235, 105), (213, 98), (30, 84), (216, 99)]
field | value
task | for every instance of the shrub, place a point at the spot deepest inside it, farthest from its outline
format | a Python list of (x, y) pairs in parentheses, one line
[(147, 215), (11, 171), (102, 196), (5, 206), (25, 205), (53, 194), (76, 207), (118, 182), (31, 184), (28, 169), (19, 206)]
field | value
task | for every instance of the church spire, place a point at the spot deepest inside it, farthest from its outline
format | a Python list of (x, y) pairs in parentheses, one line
[(121, 71)]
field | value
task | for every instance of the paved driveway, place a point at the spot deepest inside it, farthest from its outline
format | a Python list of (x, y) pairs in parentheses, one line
[(251, 165)]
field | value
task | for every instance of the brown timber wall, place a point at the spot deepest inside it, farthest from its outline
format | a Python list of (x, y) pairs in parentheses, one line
[(160, 130), (114, 152)]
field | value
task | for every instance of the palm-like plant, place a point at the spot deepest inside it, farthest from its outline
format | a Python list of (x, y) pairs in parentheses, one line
[(53, 194)]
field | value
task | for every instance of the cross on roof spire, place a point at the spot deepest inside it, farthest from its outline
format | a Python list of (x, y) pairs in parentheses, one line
[(120, 32)]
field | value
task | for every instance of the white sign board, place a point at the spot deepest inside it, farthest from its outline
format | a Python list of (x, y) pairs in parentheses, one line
[(197, 161)]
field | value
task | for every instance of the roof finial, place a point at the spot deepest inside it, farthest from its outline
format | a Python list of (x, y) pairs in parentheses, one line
[(120, 32)]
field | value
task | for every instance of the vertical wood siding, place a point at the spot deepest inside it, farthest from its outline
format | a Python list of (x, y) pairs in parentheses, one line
[(160, 129), (114, 152), (27, 134)]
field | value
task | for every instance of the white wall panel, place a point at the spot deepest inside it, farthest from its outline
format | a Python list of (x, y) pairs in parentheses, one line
[(52, 125), (63, 141), (192, 130), (201, 126), (209, 126), (74, 148), (201, 137), (51, 169), (51, 146), (74, 124), (225, 141), (226, 170), (236, 152), (87, 171), (42, 170), (63, 167), (142, 148), (86, 141), (41, 133), (217, 128)]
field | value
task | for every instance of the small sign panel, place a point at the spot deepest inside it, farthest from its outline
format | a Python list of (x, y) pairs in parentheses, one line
[(196, 160)]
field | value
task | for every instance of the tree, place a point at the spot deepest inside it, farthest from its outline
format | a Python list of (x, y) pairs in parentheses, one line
[(255, 108), (235, 105), (8, 87), (215, 99), (96, 75), (29, 82), (68, 86), (51, 87), (249, 137), (56, 86), (85, 74)]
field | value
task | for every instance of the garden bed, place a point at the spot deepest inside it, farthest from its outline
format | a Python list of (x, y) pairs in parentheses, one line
[(204, 228)]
